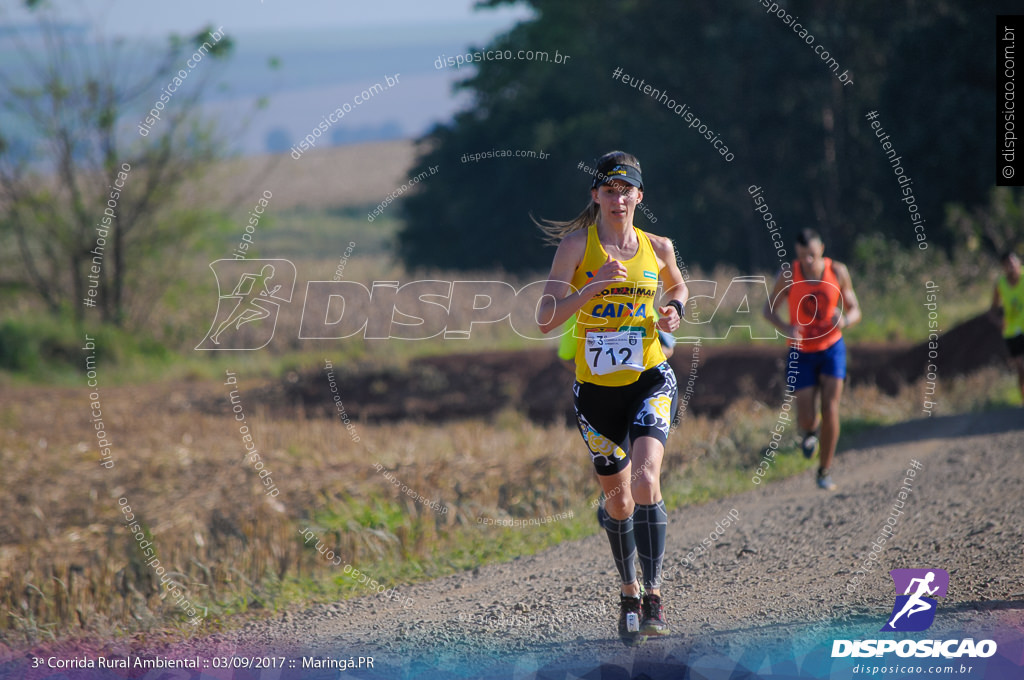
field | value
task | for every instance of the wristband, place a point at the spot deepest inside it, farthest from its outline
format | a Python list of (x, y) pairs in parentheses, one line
[(678, 305)]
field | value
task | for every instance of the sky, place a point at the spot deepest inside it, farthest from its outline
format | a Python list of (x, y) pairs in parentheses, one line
[(326, 51), (158, 18)]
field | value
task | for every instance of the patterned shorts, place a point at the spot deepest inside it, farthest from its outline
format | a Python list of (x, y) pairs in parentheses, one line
[(610, 418)]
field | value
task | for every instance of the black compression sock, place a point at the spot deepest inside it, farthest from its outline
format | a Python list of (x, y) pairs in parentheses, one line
[(620, 536), (650, 524)]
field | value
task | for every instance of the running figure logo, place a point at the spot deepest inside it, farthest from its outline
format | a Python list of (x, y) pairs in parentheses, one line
[(262, 285), (914, 610)]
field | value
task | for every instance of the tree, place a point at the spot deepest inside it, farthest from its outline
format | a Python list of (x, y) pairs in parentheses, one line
[(996, 227), (93, 209), (795, 127)]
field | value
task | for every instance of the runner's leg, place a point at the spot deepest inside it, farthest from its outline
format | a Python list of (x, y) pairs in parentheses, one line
[(650, 519), (619, 526), (806, 413), (1018, 363), (648, 432), (601, 425), (831, 392)]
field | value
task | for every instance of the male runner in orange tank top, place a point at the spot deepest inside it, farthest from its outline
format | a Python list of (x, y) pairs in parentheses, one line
[(821, 303)]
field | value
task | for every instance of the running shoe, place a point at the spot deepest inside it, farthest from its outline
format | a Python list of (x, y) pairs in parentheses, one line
[(630, 614), (825, 481), (809, 445), (654, 616), (602, 514)]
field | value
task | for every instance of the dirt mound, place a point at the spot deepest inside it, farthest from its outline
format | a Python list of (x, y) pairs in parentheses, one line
[(434, 389), (974, 344), (537, 383)]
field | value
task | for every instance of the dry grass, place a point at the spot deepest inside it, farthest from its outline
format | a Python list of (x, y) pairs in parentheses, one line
[(67, 564)]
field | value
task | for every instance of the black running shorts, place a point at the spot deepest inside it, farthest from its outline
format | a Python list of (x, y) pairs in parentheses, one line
[(608, 416)]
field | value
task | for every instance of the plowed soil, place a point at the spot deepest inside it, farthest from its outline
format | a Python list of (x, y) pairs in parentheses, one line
[(536, 382)]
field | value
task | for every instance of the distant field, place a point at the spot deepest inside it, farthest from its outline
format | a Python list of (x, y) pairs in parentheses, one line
[(321, 179)]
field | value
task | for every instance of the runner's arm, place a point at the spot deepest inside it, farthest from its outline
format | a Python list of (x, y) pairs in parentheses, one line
[(851, 313), (995, 312), (672, 278), (780, 293)]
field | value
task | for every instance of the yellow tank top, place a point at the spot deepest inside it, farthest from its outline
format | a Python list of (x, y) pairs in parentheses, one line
[(1012, 298), (615, 335)]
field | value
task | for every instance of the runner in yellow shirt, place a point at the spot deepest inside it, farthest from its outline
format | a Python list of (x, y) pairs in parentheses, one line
[(1008, 305), (606, 271)]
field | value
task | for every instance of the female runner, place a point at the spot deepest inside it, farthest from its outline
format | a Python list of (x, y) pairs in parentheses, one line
[(607, 271)]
